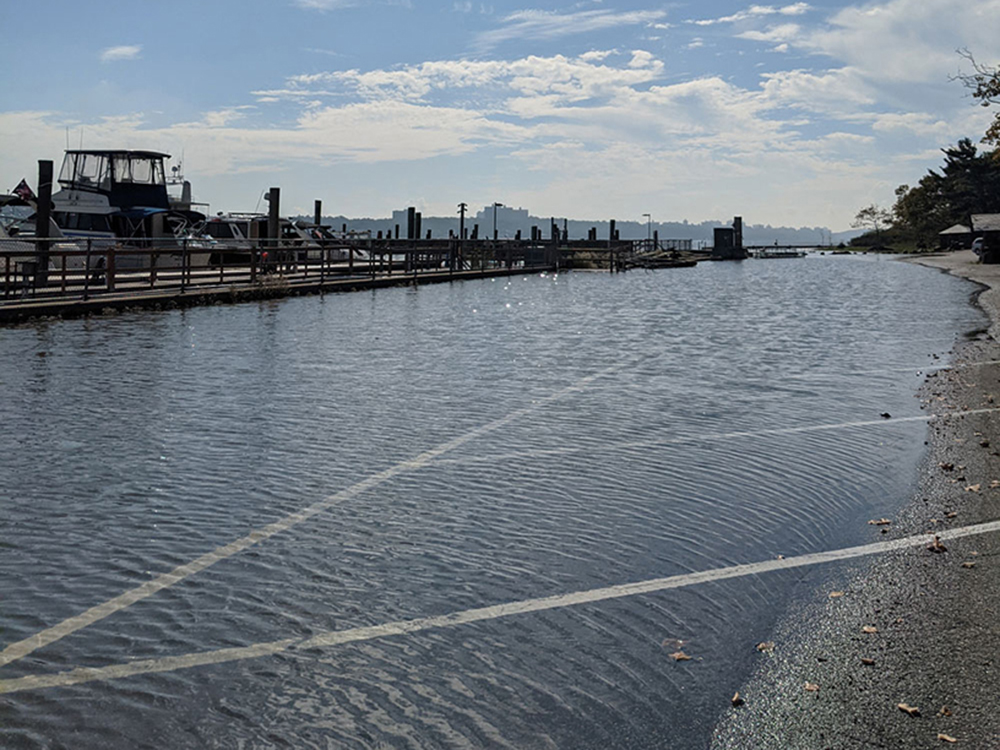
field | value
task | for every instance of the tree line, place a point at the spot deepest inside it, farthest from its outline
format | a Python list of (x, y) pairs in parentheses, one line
[(967, 183)]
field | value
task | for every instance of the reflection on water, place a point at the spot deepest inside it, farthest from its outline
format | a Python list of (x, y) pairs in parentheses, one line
[(134, 444)]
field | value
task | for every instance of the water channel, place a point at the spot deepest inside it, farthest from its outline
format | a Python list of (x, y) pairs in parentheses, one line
[(455, 447)]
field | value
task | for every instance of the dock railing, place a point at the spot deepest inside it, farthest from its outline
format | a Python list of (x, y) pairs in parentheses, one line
[(83, 268)]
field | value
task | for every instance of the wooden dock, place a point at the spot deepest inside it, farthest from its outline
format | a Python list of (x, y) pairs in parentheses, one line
[(83, 277)]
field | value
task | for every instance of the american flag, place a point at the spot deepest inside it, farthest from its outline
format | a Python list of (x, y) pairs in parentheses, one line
[(24, 192)]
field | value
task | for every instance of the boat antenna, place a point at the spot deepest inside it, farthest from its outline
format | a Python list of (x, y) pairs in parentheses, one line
[(67, 137)]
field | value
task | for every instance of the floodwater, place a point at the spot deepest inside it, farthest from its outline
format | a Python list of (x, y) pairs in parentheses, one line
[(456, 447)]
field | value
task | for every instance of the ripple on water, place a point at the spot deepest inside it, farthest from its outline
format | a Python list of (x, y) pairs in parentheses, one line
[(163, 436)]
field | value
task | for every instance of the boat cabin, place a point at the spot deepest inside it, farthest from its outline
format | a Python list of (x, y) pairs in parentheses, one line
[(128, 179)]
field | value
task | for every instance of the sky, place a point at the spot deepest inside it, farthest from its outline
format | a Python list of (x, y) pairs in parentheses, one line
[(792, 114)]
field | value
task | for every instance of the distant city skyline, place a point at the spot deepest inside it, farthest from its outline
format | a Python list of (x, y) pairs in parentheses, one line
[(792, 114)]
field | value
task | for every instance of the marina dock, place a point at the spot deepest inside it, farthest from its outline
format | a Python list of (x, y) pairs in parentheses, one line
[(85, 277)]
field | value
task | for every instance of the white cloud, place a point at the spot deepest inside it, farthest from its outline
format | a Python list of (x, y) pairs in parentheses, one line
[(783, 33), (543, 24), (598, 55), (123, 52), (838, 93), (756, 11), (907, 41)]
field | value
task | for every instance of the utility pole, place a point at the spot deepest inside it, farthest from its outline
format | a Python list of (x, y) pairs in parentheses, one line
[(461, 220)]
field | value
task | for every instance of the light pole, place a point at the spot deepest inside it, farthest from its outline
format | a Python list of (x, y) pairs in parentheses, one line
[(495, 207)]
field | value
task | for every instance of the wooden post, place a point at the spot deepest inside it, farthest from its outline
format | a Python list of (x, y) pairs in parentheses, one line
[(273, 225), (461, 220), (317, 212), (109, 271), (42, 217), (411, 220)]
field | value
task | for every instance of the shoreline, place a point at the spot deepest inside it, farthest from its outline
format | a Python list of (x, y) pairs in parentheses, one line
[(936, 644)]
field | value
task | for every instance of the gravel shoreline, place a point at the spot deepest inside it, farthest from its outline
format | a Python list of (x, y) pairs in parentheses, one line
[(913, 627)]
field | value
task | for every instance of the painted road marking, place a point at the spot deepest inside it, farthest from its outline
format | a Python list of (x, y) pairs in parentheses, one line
[(468, 616), (709, 436), (19, 650)]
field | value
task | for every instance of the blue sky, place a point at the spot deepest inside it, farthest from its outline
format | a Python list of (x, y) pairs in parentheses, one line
[(788, 114)]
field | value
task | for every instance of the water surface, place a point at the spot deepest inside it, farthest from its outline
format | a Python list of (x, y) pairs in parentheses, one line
[(597, 429)]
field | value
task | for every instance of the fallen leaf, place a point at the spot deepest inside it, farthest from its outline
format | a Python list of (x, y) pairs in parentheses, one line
[(736, 700), (984, 443), (812, 687), (947, 467), (945, 711), (765, 646), (867, 662), (680, 656), (836, 594), (952, 514), (879, 522), (675, 643), (968, 565), (936, 546), (973, 487), (780, 557), (946, 738), (870, 629), (906, 708), (994, 484)]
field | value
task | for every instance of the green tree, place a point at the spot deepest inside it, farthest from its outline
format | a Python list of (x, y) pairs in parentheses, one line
[(968, 183), (875, 218)]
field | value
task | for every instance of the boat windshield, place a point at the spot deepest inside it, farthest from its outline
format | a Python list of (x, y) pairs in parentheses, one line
[(139, 170), (86, 171)]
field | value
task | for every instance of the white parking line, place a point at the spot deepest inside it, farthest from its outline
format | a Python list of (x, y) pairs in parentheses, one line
[(19, 650), (708, 436), (465, 617)]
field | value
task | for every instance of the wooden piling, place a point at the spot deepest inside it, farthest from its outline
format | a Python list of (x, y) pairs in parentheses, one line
[(42, 218)]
